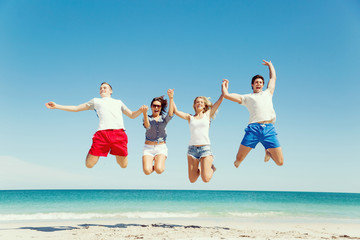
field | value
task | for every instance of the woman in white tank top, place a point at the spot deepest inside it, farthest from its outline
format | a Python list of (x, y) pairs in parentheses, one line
[(199, 151)]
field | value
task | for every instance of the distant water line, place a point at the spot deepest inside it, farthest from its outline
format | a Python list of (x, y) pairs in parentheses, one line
[(157, 204)]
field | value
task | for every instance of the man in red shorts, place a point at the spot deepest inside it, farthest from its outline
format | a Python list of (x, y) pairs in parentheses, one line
[(110, 136)]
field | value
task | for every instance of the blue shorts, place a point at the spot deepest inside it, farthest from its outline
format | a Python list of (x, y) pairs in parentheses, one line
[(258, 132), (199, 152)]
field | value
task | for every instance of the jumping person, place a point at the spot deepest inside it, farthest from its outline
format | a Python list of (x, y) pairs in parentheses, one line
[(155, 149), (111, 136), (199, 151), (262, 117)]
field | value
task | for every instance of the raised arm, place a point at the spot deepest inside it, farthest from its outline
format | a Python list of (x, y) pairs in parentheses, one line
[(81, 107), (170, 93), (146, 118), (216, 105), (272, 81), (178, 113), (230, 96), (135, 114)]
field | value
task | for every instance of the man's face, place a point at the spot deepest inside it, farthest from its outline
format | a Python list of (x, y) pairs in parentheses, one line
[(105, 90), (258, 85)]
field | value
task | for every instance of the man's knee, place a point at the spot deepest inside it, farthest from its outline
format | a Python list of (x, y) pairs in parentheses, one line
[(277, 155), (89, 165), (91, 160), (280, 161), (240, 157), (122, 161), (123, 164)]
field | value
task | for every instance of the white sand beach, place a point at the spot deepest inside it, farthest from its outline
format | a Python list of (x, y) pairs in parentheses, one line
[(149, 229)]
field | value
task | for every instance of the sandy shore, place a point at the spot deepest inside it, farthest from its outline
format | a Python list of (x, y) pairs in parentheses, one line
[(170, 229)]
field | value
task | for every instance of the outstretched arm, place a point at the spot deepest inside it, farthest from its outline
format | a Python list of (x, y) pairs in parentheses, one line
[(81, 107), (180, 114), (135, 114), (230, 96), (170, 93), (272, 81)]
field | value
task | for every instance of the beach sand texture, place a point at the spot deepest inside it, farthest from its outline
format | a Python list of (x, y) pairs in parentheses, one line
[(214, 230)]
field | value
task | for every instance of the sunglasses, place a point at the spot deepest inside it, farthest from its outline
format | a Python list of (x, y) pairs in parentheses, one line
[(155, 106)]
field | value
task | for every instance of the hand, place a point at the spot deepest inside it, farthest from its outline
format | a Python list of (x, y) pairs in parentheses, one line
[(170, 93), (50, 105), (144, 108), (225, 87), (267, 63), (225, 84)]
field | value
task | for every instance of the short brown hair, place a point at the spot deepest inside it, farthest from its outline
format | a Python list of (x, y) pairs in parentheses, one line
[(107, 84), (256, 77)]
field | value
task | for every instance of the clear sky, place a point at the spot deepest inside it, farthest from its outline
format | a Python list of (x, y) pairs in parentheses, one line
[(62, 50)]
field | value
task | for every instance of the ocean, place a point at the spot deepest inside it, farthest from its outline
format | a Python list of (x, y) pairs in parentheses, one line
[(46, 205)]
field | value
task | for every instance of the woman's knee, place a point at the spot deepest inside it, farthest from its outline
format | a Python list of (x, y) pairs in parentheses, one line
[(192, 179), (194, 175), (148, 170), (206, 177), (159, 169)]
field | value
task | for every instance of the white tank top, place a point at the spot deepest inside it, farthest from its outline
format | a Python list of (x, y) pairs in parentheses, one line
[(199, 130)]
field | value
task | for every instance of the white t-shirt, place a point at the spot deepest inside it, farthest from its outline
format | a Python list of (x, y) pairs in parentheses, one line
[(199, 130), (109, 111), (260, 106)]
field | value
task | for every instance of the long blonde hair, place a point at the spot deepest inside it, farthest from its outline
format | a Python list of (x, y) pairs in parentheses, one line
[(207, 102)]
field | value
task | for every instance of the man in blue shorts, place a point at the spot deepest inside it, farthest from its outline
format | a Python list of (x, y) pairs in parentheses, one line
[(262, 117)]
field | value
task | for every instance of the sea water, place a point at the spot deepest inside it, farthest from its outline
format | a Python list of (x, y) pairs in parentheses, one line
[(35, 205)]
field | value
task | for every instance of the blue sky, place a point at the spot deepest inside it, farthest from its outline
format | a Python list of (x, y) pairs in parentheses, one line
[(63, 50)]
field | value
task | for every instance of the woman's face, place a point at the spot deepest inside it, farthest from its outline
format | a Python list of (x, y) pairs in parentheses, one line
[(156, 108), (199, 104)]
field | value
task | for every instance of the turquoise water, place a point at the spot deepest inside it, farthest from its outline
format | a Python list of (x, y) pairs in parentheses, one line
[(120, 204)]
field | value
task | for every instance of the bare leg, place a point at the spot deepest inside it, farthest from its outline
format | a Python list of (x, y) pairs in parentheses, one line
[(159, 163), (148, 167), (122, 161), (277, 155), (242, 153), (267, 156), (193, 169), (91, 160), (207, 168)]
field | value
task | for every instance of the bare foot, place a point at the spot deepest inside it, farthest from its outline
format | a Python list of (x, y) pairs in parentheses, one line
[(213, 168), (237, 164), (267, 156)]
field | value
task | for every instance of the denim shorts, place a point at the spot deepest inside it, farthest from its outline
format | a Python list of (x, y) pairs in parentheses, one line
[(199, 152), (258, 132)]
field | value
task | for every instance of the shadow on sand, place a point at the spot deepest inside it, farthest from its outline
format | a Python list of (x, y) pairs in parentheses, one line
[(120, 225)]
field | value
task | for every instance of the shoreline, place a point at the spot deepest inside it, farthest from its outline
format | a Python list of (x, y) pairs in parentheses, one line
[(176, 229)]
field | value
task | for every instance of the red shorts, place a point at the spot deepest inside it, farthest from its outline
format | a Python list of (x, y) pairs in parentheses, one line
[(110, 140)]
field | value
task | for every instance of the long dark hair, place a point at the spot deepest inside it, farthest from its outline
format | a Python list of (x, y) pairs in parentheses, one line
[(163, 103)]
